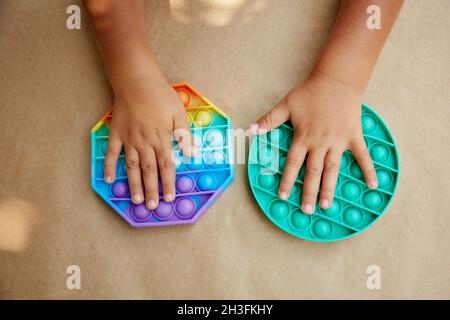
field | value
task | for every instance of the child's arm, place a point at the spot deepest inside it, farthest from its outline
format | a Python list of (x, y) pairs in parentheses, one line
[(325, 109), (146, 110)]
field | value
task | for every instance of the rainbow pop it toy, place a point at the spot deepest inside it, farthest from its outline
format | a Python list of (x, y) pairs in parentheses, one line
[(355, 206), (199, 181)]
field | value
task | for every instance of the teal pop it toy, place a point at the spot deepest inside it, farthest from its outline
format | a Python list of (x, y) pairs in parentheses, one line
[(355, 207)]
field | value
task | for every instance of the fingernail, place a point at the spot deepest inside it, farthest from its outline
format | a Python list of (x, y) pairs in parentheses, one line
[(373, 185), (307, 208), (151, 204), (108, 179), (254, 128), (137, 198), (325, 204), (283, 196), (168, 197)]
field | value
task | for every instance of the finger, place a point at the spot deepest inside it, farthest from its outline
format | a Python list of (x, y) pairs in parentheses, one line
[(329, 177), (294, 160), (183, 135), (166, 170), (361, 153), (112, 155), (150, 175), (271, 120), (134, 174), (314, 167)]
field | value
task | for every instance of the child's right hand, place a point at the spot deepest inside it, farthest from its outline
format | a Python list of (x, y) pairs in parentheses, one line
[(146, 112)]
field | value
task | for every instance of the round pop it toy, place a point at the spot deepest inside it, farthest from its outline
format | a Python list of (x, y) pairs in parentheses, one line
[(199, 181), (355, 207)]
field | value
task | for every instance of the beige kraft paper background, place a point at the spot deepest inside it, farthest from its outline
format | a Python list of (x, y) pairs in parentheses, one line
[(244, 55)]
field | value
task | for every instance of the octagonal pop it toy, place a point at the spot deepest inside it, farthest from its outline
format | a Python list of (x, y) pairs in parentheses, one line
[(199, 181), (355, 207)]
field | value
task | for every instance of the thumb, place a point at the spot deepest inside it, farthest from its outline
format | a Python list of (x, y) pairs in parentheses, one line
[(271, 120)]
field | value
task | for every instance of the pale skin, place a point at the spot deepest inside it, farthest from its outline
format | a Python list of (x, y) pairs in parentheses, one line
[(324, 109)]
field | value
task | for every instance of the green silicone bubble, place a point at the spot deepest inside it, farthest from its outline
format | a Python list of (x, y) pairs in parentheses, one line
[(355, 206), (299, 220), (268, 181)]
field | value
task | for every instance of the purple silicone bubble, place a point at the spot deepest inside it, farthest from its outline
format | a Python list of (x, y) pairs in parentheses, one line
[(185, 208), (184, 184), (164, 210), (120, 189), (140, 212)]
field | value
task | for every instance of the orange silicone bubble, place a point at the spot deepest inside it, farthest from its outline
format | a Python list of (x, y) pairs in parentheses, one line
[(184, 96)]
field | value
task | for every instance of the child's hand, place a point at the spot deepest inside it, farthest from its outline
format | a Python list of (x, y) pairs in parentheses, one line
[(146, 112), (326, 116)]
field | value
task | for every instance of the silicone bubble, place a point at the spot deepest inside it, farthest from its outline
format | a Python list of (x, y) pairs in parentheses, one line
[(354, 208), (214, 138), (379, 153), (164, 210), (356, 170), (121, 168), (369, 124), (194, 163), (372, 200), (384, 178), (265, 155), (99, 173), (353, 216), (206, 181), (104, 147), (333, 210), (215, 159), (279, 209), (140, 212), (322, 229), (119, 189), (351, 190), (268, 180), (178, 162), (197, 184), (202, 118), (300, 221), (184, 96), (185, 208), (184, 184)]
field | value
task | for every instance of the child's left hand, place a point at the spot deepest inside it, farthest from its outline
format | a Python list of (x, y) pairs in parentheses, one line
[(326, 116)]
